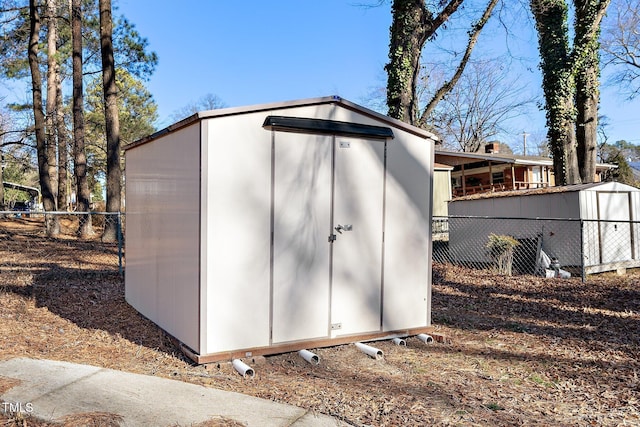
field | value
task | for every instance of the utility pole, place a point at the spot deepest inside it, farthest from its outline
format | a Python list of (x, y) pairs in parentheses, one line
[(524, 134)]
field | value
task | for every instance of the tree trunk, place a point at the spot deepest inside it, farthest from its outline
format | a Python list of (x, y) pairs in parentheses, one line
[(83, 195), (589, 15), (48, 201), (112, 122), (558, 84), (63, 149), (2, 206), (52, 69), (587, 98), (412, 24)]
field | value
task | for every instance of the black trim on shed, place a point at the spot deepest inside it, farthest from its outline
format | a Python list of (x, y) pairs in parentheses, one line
[(326, 127)]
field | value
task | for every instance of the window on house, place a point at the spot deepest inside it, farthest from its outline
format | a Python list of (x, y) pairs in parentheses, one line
[(498, 177)]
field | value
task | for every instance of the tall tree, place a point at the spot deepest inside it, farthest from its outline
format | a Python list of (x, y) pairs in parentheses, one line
[(52, 70), (413, 23), (589, 14), (63, 148), (558, 83), (83, 195), (48, 200), (112, 121), (570, 83), (138, 113)]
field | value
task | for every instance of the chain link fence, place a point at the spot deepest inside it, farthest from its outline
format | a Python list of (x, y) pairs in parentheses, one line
[(27, 247), (549, 247)]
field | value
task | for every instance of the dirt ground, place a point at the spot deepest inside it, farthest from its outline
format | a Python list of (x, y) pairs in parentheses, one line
[(522, 351)]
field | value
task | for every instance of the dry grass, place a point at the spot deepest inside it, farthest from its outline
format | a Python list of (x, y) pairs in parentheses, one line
[(522, 350)]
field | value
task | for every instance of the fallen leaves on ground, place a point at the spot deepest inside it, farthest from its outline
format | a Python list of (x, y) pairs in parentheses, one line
[(521, 350)]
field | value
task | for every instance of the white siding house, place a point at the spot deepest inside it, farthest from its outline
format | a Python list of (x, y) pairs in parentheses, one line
[(278, 227)]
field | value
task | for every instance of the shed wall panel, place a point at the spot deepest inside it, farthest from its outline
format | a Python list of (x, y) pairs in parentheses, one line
[(237, 215), (407, 254), (163, 230)]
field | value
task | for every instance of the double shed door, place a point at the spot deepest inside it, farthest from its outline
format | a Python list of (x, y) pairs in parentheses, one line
[(327, 243)]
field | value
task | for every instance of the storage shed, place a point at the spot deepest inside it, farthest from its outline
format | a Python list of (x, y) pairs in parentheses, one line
[(590, 228), (279, 227)]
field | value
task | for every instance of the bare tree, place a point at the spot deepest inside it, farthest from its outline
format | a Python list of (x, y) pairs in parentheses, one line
[(621, 46), (447, 86), (479, 105), (206, 102), (83, 195)]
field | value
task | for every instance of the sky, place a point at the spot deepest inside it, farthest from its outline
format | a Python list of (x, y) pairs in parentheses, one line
[(252, 52)]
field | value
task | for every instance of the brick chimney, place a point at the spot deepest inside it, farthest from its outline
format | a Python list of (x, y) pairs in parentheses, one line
[(492, 148)]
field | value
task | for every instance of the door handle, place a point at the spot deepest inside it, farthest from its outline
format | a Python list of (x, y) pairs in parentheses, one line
[(341, 228)]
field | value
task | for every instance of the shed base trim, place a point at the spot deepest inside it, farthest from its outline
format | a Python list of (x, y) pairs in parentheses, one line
[(299, 345)]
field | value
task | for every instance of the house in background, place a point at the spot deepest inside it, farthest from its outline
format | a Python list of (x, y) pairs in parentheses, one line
[(441, 188), (491, 171)]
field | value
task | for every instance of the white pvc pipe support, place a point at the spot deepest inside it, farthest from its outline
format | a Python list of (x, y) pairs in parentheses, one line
[(242, 368), (427, 339), (369, 351), (309, 357), (399, 341)]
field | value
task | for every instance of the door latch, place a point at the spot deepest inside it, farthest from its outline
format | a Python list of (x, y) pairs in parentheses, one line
[(341, 228), (332, 237)]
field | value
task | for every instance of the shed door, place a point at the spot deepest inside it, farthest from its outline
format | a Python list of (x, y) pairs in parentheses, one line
[(615, 228), (301, 223), (357, 253), (327, 236)]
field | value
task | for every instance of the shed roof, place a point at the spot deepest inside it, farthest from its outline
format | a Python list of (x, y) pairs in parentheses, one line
[(616, 186), (336, 100)]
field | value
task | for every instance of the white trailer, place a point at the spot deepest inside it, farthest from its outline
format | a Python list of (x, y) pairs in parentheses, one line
[(279, 227)]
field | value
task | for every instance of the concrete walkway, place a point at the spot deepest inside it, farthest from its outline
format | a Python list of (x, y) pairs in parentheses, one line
[(50, 390)]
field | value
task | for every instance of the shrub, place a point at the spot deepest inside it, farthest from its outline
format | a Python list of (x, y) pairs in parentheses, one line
[(501, 250)]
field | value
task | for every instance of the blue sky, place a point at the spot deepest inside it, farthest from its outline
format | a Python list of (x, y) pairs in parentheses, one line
[(261, 51), (251, 52)]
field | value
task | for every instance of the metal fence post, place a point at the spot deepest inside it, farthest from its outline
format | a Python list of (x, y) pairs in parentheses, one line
[(583, 272), (119, 234)]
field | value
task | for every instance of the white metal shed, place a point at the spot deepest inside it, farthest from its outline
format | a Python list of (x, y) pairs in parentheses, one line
[(279, 227), (588, 226)]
